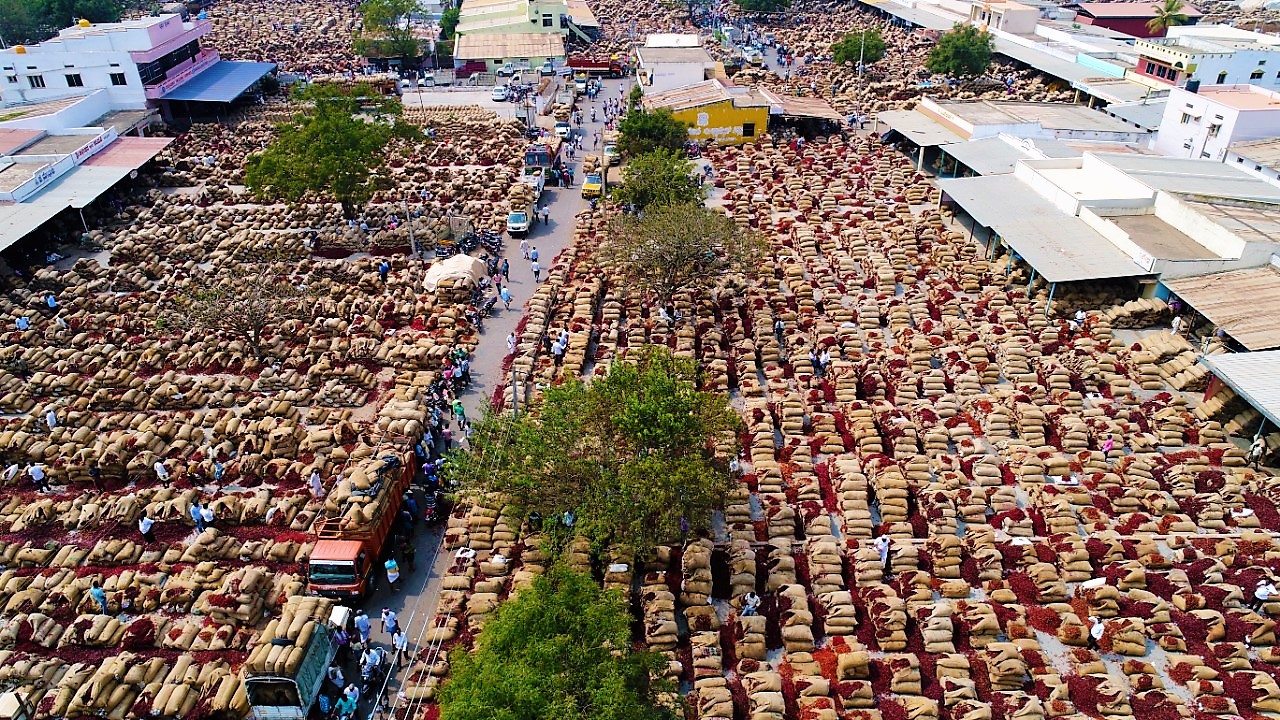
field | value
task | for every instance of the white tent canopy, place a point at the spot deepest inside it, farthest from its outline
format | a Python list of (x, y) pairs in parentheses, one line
[(458, 267)]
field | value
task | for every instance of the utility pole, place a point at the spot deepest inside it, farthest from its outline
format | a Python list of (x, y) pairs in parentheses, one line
[(413, 243)]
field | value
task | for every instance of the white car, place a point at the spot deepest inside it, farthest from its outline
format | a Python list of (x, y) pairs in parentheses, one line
[(563, 129), (500, 93)]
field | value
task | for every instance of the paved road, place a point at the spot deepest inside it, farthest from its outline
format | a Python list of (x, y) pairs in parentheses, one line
[(416, 601), (550, 239)]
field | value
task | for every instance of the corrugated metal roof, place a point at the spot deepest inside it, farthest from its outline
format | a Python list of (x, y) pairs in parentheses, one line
[(1128, 9), (497, 46), (20, 219), (1244, 303), (808, 108), (1061, 247), (1253, 376), (1193, 176), (917, 128), (1145, 115), (651, 55), (706, 92), (222, 82), (1263, 152), (128, 152), (989, 156)]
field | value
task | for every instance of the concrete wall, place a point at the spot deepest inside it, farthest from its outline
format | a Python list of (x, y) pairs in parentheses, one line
[(667, 76), (723, 122), (1100, 64), (1208, 233), (89, 109), (94, 69), (1269, 174)]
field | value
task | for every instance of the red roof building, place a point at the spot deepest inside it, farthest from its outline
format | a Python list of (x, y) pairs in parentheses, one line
[(1129, 18)]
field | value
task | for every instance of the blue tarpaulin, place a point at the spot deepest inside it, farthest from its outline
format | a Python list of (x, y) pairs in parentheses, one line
[(224, 81)]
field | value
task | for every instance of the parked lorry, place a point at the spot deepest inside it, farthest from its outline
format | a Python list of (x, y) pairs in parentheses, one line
[(519, 219), (346, 559), (543, 155), (285, 672), (536, 178), (598, 66)]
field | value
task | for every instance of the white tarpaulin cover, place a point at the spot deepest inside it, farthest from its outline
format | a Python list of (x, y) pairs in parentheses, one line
[(456, 267)]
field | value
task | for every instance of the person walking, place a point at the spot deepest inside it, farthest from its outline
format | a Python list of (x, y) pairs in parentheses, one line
[(506, 270), (145, 523), (206, 515), (533, 254), (389, 622), (363, 626), (162, 473), (384, 269), (511, 342), (537, 271), (99, 595), (524, 248), (506, 297), (197, 517), (882, 547)]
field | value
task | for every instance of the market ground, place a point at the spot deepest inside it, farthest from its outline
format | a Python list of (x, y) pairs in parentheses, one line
[(415, 602)]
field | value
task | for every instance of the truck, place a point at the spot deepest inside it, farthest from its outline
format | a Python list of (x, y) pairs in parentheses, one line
[(284, 674), (611, 154), (598, 66), (543, 155), (346, 559), (535, 178)]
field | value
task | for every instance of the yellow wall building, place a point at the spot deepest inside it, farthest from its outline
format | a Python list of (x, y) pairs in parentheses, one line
[(714, 111)]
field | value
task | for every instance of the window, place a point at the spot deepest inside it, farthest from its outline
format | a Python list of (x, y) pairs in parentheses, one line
[(1261, 63), (74, 80), (547, 21), (1185, 118), (1255, 75), (13, 79), (1213, 130), (37, 81), (1222, 77), (1240, 160), (1257, 168), (119, 79), (748, 129), (1205, 155)]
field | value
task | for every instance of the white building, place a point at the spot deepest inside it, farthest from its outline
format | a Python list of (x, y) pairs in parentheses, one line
[(1261, 157), (1204, 124), (1212, 54), (151, 62), (666, 62)]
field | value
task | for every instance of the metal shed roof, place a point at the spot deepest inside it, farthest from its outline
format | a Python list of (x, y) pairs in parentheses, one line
[(917, 128), (1061, 247), (1244, 303), (989, 156), (498, 46), (223, 81), (1253, 376)]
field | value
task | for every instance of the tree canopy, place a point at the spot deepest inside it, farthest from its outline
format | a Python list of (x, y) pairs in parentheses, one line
[(32, 21), (642, 131), (382, 32), (674, 248), (763, 6), (561, 649), (449, 20), (1168, 13), (630, 454), (867, 46), (335, 147), (659, 177), (964, 51)]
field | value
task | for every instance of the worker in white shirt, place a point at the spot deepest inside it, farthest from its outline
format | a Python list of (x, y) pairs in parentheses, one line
[(882, 547), (1096, 628), (750, 604)]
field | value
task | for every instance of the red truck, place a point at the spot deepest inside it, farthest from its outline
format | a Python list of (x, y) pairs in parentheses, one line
[(598, 66), (346, 562)]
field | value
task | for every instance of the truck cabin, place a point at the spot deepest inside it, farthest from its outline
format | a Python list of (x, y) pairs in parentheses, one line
[(539, 155), (338, 568)]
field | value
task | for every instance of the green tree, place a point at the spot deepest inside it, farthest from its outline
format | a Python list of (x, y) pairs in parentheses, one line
[(674, 248), (561, 649), (763, 6), (32, 21), (659, 177), (644, 130), (449, 23), (964, 51), (335, 146), (634, 97), (629, 454), (383, 32), (866, 46), (1168, 13)]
